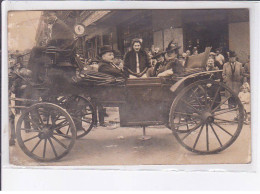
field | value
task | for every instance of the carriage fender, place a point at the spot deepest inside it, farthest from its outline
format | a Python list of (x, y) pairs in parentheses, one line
[(193, 77)]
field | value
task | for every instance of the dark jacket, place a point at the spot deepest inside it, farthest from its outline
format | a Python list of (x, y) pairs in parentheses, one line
[(108, 68), (61, 36), (130, 60), (175, 65)]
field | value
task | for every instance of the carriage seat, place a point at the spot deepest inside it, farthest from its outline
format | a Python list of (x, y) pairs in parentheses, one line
[(87, 77), (61, 57)]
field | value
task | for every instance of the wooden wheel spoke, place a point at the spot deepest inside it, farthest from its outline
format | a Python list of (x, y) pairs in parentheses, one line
[(38, 116), (59, 142), (229, 110), (33, 123), (64, 124), (215, 97), (204, 90), (62, 135), (68, 130), (44, 148), (215, 134), (52, 146), (197, 139), (223, 129), (48, 119), (54, 119), (191, 130), (192, 115), (36, 145), (220, 104), (30, 138), (197, 99), (190, 106), (233, 122), (29, 130)]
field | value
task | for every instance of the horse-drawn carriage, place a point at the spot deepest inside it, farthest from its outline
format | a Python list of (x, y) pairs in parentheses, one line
[(194, 106)]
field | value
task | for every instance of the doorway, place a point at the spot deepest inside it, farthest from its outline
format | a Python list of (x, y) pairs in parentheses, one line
[(206, 34)]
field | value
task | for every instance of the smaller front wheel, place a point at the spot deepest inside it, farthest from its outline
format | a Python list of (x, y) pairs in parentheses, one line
[(45, 132)]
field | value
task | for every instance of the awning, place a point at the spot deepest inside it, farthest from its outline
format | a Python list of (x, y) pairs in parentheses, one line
[(95, 16)]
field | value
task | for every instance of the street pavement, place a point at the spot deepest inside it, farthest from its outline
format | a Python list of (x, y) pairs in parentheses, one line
[(115, 145)]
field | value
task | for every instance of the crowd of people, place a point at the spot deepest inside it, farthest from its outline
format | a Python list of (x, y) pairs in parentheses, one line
[(138, 62)]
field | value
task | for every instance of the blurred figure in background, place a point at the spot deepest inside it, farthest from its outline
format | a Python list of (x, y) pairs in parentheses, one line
[(220, 60), (188, 53), (211, 65), (247, 70), (195, 51), (118, 60)]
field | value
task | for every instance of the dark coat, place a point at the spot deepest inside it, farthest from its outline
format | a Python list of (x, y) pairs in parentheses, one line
[(175, 65), (130, 60), (108, 68), (61, 36)]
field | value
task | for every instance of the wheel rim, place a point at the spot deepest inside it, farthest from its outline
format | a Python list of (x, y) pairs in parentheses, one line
[(203, 120), (81, 111), (45, 132)]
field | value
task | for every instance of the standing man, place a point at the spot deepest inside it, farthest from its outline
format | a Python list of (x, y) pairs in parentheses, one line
[(233, 74), (137, 61)]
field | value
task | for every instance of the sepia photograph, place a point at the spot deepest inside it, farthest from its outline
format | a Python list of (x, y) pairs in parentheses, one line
[(129, 87)]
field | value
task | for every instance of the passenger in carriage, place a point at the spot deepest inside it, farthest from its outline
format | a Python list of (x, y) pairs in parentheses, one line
[(159, 66), (172, 63), (106, 64), (118, 59), (137, 61)]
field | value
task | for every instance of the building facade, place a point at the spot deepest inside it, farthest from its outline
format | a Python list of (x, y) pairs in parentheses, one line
[(218, 28), (224, 28)]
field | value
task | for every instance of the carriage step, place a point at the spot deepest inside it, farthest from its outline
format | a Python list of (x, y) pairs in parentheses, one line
[(144, 137)]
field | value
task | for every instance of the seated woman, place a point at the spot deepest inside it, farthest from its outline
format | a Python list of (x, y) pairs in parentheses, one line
[(172, 63), (159, 65)]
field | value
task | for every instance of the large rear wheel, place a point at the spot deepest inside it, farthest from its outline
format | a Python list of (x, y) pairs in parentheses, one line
[(204, 120)]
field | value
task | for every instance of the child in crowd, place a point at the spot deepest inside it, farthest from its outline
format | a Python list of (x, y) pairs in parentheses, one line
[(244, 96)]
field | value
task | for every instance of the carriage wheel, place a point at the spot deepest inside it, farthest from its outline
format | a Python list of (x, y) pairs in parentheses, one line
[(82, 112), (45, 132), (205, 121)]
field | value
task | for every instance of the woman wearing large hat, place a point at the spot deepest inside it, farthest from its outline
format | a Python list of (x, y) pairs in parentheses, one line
[(172, 63)]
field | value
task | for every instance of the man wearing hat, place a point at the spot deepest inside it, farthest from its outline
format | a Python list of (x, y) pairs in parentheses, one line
[(172, 63), (137, 61), (233, 75), (106, 64)]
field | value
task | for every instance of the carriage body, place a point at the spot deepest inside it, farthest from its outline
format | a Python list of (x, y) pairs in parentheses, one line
[(191, 106)]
